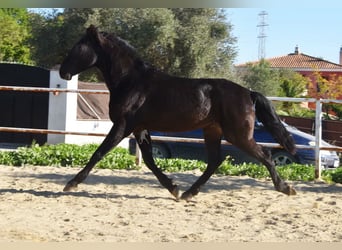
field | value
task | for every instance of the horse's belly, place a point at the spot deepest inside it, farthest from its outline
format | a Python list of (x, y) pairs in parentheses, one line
[(177, 112), (174, 123)]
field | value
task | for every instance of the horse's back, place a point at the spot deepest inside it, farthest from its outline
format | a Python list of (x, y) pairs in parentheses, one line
[(231, 95), (204, 93)]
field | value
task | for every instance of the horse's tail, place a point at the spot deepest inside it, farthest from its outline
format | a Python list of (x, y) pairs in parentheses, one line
[(266, 114)]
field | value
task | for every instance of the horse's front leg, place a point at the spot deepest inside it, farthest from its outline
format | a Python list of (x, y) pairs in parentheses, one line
[(144, 141), (115, 135), (212, 136)]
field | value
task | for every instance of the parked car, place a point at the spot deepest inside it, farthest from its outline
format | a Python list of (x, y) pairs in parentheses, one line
[(190, 150)]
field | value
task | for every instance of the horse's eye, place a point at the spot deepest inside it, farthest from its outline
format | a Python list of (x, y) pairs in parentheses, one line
[(83, 47)]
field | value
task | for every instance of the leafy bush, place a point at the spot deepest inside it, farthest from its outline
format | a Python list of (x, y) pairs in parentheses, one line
[(292, 172), (336, 175), (66, 155), (250, 169), (119, 158), (179, 165), (295, 172)]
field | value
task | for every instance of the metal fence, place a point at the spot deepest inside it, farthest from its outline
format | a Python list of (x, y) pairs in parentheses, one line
[(318, 123)]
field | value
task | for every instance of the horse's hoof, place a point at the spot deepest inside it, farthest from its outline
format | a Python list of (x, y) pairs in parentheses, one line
[(289, 190), (187, 196), (175, 192), (70, 186)]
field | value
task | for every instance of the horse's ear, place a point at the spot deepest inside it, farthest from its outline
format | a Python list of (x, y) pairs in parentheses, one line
[(93, 33)]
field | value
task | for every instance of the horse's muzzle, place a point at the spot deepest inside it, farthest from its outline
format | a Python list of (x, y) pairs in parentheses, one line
[(65, 76)]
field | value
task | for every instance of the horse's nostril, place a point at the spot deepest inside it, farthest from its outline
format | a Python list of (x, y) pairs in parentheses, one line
[(66, 76)]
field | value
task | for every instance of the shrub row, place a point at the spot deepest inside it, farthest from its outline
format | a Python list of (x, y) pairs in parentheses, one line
[(119, 158), (292, 172), (66, 155)]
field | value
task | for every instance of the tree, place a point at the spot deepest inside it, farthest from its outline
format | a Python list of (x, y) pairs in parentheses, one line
[(260, 77), (204, 45), (14, 34), (151, 31), (276, 82), (326, 87), (184, 42), (292, 84), (47, 40)]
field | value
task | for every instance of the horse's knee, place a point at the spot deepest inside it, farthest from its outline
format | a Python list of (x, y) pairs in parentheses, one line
[(267, 154)]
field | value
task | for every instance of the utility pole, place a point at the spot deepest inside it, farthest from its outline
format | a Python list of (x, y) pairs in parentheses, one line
[(262, 35)]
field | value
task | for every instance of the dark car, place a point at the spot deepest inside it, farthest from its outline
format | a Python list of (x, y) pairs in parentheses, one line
[(191, 150)]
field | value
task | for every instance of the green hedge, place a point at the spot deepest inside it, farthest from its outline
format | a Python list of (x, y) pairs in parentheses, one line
[(66, 155), (119, 158), (293, 172)]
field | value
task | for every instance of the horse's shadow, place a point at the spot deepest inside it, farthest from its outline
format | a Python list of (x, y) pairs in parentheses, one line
[(83, 194), (93, 179), (184, 180)]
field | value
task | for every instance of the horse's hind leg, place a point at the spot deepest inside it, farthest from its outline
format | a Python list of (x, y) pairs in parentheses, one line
[(255, 150), (144, 141), (212, 136)]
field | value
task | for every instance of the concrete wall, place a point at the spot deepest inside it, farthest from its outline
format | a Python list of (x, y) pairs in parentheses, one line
[(62, 106)]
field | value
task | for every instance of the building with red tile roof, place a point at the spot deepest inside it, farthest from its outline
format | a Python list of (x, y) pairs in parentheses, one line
[(302, 63)]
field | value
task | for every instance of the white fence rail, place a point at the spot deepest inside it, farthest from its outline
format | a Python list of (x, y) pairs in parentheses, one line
[(318, 123)]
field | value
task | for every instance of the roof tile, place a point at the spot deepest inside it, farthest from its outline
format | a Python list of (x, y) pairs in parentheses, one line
[(299, 61)]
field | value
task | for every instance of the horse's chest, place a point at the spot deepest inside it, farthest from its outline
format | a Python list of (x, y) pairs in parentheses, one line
[(120, 106)]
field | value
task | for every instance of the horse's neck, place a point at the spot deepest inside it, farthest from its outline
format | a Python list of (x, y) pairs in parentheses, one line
[(114, 79), (117, 76), (111, 76)]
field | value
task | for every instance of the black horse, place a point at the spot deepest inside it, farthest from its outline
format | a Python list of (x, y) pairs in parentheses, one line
[(143, 98)]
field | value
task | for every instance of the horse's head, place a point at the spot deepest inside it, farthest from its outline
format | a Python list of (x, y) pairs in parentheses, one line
[(83, 54), (113, 56)]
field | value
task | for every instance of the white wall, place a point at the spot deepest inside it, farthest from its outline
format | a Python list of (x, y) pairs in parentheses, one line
[(61, 106), (63, 116)]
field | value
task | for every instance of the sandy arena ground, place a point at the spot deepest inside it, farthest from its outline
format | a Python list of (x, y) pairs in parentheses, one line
[(131, 206)]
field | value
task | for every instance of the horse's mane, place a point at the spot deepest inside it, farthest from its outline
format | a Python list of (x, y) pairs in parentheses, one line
[(121, 43), (129, 51)]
